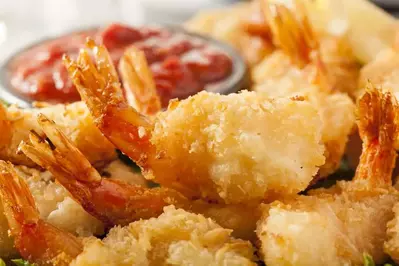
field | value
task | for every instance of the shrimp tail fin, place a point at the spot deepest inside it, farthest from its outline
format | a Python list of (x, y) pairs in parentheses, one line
[(99, 87), (19, 205), (36, 240), (291, 32), (138, 82), (56, 153), (377, 123)]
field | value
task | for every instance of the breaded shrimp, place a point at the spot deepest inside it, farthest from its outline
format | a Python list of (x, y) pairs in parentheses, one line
[(176, 237), (36, 240), (56, 206), (112, 201), (241, 218), (241, 26), (383, 71), (335, 226), (317, 68), (234, 149), (306, 56), (75, 121)]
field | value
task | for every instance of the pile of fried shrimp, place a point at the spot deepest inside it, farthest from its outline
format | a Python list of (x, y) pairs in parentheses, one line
[(238, 179)]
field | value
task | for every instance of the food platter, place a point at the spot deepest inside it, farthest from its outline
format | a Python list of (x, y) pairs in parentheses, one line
[(264, 133)]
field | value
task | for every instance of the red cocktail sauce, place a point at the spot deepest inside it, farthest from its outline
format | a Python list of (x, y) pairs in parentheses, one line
[(181, 65)]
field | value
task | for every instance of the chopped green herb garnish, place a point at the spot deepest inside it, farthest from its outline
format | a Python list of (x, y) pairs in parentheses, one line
[(368, 260), (21, 262), (2, 263), (6, 104)]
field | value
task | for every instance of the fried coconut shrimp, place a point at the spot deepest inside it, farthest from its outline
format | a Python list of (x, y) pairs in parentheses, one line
[(176, 237), (335, 226), (54, 151), (36, 240), (243, 26), (383, 71), (234, 149), (57, 207), (304, 56), (315, 67), (75, 121), (112, 201)]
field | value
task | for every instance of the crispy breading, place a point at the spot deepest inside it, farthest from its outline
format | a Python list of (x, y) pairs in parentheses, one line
[(336, 226), (176, 237), (327, 229), (383, 72), (129, 203), (237, 217), (56, 205), (235, 148), (319, 67), (391, 245), (75, 121), (234, 25), (239, 146)]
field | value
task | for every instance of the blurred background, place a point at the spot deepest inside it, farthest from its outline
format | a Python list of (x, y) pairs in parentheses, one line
[(25, 21)]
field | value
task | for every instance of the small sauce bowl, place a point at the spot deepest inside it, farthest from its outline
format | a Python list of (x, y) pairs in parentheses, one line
[(182, 63)]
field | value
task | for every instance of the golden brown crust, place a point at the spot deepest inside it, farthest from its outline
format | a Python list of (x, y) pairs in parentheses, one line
[(221, 148), (391, 245), (334, 226), (176, 237)]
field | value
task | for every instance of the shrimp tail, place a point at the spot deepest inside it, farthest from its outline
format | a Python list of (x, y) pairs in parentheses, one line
[(111, 201), (36, 240), (377, 123), (138, 82), (56, 153), (18, 201), (99, 88), (291, 32)]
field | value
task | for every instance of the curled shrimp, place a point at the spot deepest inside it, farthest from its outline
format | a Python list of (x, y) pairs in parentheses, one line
[(291, 32), (200, 146), (317, 67), (112, 201), (36, 240), (115, 202), (335, 226), (138, 83)]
